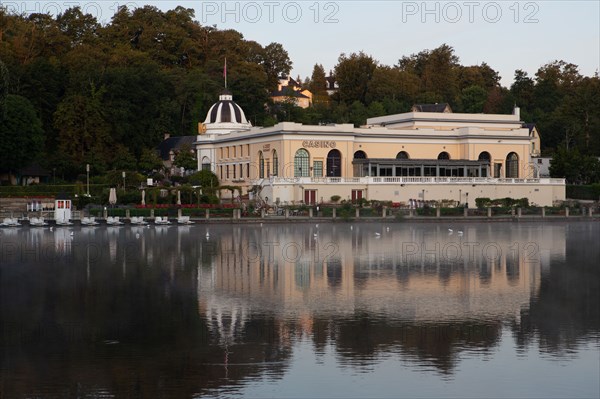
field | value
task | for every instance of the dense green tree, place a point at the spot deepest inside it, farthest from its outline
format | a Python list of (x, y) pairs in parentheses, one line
[(393, 83), (249, 82), (204, 179), (82, 127), (185, 158), (122, 159), (581, 109), (276, 63), (103, 90), (318, 85), (522, 89), (135, 105), (354, 73), (375, 109), (438, 71), (149, 161), (78, 27), (473, 99), (575, 167), (357, 113), (21, 134)]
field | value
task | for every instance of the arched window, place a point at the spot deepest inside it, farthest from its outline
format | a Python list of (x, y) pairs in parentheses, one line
[(275, 163), (485, 157), (402, 155), (301, 162), (205, 163), (261, 165), (360, 155), (512, 166), (334, 164), (444, 155)]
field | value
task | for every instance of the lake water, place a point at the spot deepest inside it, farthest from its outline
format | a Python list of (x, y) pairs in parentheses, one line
[(301, 310)]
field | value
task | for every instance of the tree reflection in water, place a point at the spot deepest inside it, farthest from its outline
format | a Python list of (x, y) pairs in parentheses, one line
[(165, 312)]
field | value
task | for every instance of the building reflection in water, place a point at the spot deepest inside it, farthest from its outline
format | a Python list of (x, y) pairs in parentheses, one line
[(134, 311)]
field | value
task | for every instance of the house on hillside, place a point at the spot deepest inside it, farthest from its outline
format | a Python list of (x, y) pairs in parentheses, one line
[(170, 147), (288, 89), (331, 84)]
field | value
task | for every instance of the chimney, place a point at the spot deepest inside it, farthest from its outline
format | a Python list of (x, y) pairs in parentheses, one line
[(167, 135)]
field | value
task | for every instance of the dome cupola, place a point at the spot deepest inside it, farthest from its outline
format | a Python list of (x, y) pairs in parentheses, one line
[(225, 116), (226, 111)]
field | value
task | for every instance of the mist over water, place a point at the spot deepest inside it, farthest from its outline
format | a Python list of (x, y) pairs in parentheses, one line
[(301, 310)]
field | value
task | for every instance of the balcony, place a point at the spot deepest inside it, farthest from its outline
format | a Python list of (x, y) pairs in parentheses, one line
[(404, 180)]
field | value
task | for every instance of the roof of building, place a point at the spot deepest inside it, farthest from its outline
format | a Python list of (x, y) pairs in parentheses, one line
[(330, 82), (286, 91), (291, 81), (226, 111), (62, 196), (174, 143), (529, 126), (437, 107)]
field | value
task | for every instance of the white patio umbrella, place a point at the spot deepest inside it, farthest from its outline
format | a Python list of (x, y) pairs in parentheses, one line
[(143, 197), (178, 197), (112, 196)]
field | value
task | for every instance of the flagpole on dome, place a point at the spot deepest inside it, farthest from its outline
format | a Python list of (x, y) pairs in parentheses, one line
[(225, 72)]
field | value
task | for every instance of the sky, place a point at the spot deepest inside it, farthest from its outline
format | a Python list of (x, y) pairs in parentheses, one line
[(507, 35)]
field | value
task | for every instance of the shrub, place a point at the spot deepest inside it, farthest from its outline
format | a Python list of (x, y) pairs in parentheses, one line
[(335, 198)]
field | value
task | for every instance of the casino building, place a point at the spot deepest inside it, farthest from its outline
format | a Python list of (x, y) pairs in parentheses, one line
[(427, 154)]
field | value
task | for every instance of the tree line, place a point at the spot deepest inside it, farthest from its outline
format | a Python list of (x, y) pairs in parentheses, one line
[(74, 91)]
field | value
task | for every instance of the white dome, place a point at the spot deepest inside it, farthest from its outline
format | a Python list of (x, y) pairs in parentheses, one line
[(226, 111)]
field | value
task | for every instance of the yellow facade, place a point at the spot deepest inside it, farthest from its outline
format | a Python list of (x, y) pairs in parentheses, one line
[(390, 158)]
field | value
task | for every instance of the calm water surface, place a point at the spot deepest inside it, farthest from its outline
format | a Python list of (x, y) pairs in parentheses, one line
[(301, 310)]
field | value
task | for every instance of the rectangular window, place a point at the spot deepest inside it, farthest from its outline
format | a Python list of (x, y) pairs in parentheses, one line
[(227, 171), (429, 171), (234, 170), (221, 172), (241, 171), (385, 171), (318, 169), (268, 168), (248, 170), (357, 195)]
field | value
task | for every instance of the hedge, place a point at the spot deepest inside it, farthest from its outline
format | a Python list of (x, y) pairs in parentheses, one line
[(584, 192)]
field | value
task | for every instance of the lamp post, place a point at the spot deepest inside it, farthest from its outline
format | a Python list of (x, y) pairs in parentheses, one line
[(123, 181), (87, 171), (459, 196)]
